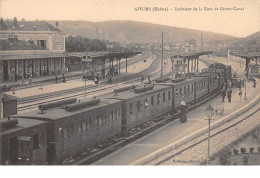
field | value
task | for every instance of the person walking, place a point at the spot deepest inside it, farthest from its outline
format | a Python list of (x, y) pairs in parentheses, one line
[(56, 78), (96, 79), (254, 82), (30, 79), (239, 83), (142, 79), (183, 116), (229, 94), (22, 80), (63, 78), (149, 79), (240, 94), (223, 94)]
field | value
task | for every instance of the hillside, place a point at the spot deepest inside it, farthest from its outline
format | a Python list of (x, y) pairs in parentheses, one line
[(130, 31)]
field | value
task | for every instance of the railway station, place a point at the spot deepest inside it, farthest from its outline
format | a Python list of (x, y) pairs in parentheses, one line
[(128, 92)]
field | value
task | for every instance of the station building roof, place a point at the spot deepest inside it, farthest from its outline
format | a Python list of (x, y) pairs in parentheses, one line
[(30, 54), (18, 45), (28, 26), (247, 55), (100, 54)]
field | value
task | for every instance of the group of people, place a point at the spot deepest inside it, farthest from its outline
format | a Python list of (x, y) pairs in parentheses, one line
[(226, 91)]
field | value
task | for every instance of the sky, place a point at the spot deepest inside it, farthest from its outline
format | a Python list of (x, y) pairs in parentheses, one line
[(238, 23)]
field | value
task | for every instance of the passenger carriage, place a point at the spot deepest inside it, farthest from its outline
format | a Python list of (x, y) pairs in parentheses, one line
[(76, 127), (143, 104), (23, 142)]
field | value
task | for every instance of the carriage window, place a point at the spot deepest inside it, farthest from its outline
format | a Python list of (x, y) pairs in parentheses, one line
[(70, 130), (115, 114), (131, 108), (118, 113), (112, 115), (169, 95), (152, 100), (80, 127), (100, 120), (138, 106), (163, 97), (88, 124), (84, 125), (96, 122), (105, 118), (146, 103), (42, 138), (36, 143), (176, 92), (158, 98), (192, 87)]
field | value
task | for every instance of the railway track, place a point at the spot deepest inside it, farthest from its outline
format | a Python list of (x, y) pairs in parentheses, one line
[(227, 125), (78, 92)]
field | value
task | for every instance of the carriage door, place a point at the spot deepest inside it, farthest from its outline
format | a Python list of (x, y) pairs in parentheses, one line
[(124, 118), (13, 150), (24, 156)]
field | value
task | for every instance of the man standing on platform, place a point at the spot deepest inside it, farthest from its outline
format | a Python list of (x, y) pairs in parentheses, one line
[(223, 94), (229, 94)]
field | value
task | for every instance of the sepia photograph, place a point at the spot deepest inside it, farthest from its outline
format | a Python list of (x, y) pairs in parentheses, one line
[(172, 83)]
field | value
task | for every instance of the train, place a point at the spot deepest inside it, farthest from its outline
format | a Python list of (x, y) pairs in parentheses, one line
[(65, 128)]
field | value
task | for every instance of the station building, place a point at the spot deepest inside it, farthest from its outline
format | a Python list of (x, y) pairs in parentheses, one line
[(30, 48)]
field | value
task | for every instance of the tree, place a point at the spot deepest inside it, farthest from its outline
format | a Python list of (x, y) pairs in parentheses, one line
[(1, 22), (81, 44), (223, 157)]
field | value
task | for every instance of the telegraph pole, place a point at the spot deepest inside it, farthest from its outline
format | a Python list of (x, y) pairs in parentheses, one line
[(162, 58)]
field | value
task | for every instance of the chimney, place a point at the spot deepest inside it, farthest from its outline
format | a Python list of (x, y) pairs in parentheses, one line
[(15, 22), (57, 24)]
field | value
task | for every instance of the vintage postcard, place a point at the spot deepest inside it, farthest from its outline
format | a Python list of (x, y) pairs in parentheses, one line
[(129, 82)]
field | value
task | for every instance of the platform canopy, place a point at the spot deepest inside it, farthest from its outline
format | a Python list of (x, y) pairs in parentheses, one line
[(101, 54), (246, 55), (188, 54)]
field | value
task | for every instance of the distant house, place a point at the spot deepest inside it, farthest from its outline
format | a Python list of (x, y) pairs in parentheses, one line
[(30, 48), (190, 43)]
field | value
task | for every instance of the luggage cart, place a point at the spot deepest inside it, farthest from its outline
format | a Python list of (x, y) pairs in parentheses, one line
[(219, 110)]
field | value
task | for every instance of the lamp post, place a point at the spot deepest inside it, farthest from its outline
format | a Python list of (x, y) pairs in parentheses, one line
[(209, 113), (172, 60), (13, 70), (85, 88), (246, 74), (245, 89)]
